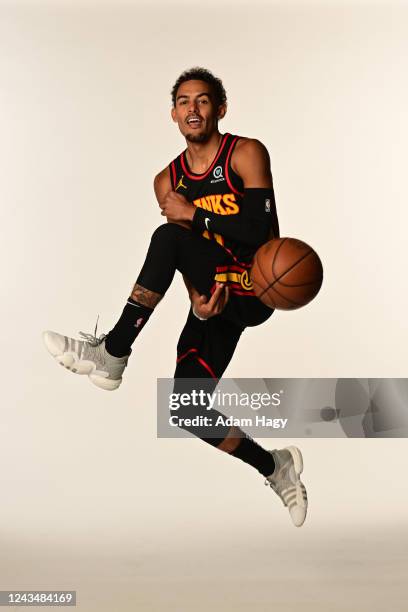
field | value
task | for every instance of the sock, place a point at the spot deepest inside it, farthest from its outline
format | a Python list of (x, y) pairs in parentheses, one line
[(130, 324), (250, 452)]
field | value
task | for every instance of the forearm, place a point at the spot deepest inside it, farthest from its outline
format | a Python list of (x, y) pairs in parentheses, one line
[(254, 225), (249, 232)]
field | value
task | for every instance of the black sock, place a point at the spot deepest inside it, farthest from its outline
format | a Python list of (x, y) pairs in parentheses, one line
[(130, 324), (250, 452)]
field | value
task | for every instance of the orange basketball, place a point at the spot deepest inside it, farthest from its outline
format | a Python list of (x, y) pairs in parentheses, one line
[(286, 273)]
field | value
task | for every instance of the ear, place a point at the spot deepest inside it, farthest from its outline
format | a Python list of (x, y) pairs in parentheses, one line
[(173, 114), (222, 109)]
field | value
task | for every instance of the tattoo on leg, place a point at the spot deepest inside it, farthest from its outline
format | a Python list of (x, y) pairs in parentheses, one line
[(145, 296), (232, 441)]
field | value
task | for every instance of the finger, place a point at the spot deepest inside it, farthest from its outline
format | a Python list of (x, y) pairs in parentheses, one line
[(225, 296), (216, 296), (221, 304), (220, 299), (214, 299)]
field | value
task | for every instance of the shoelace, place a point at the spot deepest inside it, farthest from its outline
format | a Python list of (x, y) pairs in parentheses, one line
[(92, 338), (270, 484)]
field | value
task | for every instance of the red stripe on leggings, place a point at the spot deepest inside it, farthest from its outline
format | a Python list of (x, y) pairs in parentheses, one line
[(206, 366), (199, 359), (192, 350)]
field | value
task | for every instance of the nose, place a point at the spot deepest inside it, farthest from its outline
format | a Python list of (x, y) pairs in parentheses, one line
[(192, 106)]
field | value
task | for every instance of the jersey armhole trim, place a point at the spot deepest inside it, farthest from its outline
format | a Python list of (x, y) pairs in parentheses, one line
[(173, 175), (227, 161)]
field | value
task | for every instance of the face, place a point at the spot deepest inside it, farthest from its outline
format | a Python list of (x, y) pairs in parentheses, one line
[(195, 111)]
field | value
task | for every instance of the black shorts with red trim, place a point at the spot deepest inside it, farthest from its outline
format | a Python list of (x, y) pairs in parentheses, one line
[(205, 348)]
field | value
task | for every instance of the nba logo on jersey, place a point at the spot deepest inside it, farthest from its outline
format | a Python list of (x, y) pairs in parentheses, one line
[(267, 205)]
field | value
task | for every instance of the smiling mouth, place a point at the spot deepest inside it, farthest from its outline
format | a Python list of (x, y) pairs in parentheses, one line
[(194, 121)]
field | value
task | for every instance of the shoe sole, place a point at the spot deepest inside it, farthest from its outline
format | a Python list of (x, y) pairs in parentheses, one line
[(71, 362), (298, 465)]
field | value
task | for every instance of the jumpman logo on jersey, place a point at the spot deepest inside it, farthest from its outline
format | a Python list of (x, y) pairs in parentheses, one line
[(180, 183)]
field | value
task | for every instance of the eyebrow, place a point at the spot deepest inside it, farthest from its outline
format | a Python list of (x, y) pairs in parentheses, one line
[(204, 93)]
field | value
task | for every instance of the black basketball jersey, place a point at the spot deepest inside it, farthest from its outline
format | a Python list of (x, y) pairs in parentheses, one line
[(219, 190)]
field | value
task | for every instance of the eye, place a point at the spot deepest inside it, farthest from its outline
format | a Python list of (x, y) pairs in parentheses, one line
[(203, 101)]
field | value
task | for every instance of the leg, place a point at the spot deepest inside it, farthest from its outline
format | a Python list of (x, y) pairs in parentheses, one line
[(205, 349), (172, 248)]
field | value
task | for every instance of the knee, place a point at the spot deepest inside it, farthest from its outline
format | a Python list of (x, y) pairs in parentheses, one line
[(168, 232)]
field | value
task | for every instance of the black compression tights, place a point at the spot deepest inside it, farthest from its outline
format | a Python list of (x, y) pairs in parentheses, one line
[(173, 247)]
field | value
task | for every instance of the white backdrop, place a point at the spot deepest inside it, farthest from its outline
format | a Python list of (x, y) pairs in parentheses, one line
[(85, 125)]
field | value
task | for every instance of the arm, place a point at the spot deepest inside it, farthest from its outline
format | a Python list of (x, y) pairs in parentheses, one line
[(163, 190), (257, 222), (251, 162), (202, 307), (162, 184)]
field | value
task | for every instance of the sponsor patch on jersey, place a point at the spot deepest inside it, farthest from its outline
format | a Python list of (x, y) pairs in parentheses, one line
[(267, 205), (217, 174)]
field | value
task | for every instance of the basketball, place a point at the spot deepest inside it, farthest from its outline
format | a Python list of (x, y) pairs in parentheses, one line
[(286, 273)]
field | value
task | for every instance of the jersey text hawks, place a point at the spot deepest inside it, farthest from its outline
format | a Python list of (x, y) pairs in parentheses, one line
[(221, 204)]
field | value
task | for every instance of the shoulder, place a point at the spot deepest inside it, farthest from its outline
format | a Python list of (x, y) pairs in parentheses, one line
[(162, 177), (162, 183), (250, 160), (249, 151)]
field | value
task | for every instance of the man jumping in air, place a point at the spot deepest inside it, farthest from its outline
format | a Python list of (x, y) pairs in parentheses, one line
[(219, 203)]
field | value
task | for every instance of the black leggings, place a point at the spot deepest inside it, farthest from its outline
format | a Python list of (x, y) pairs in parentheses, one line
[(173, 247), (205, 348)]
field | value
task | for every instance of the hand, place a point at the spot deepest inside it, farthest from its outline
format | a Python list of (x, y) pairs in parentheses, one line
[(205, 308), (176, 207)]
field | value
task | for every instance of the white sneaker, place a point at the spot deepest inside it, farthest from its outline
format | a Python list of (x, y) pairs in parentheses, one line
[(285, 481), (88, 356)]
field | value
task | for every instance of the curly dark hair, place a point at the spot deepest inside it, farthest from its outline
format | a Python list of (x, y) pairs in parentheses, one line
[(201, 74)]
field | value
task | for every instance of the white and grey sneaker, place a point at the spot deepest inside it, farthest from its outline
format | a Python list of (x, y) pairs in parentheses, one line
[(285, 481), (88, 356)]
